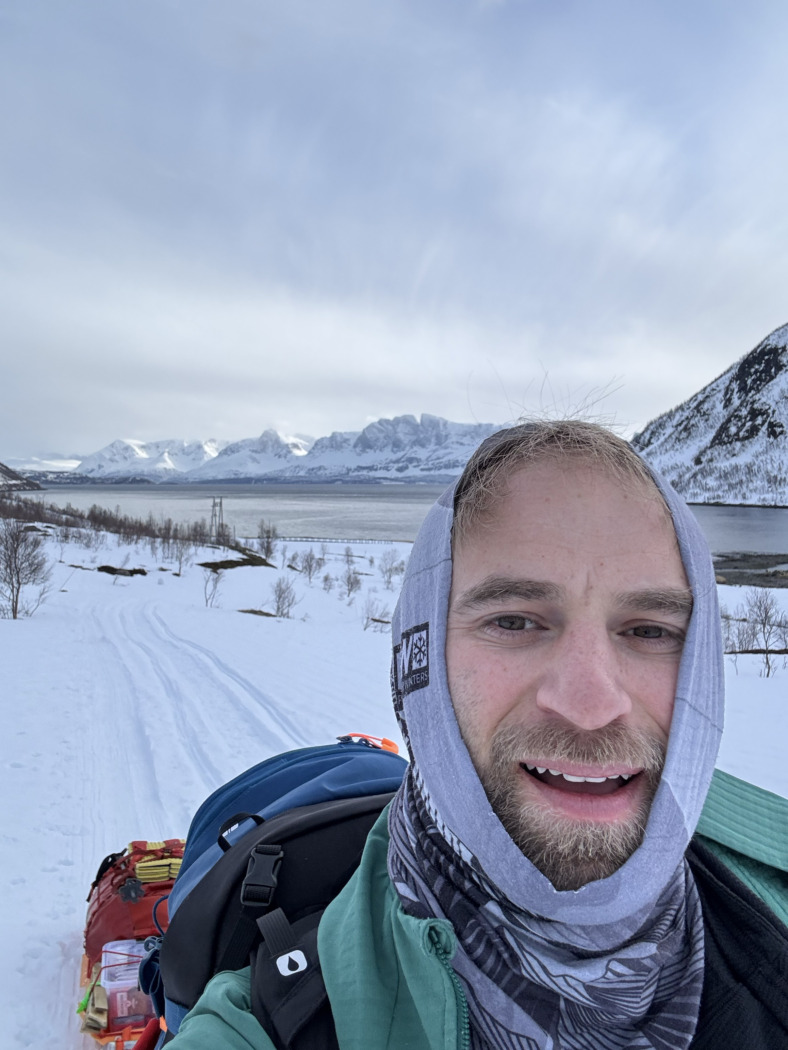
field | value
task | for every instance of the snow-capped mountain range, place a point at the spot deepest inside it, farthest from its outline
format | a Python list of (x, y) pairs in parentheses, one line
[(153, 459), (729, 442), (726, 444), (403, 449)]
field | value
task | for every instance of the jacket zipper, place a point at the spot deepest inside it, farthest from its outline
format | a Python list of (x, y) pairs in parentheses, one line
[(462, 1002)]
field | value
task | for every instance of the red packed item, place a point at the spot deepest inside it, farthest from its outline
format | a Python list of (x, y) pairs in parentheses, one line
[(149, 1037), (125, 892)]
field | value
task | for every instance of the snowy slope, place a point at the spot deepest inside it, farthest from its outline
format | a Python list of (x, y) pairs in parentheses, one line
[(125, 701), (729, 442)]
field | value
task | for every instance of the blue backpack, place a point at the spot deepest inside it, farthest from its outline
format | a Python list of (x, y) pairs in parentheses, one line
[(265, 854)]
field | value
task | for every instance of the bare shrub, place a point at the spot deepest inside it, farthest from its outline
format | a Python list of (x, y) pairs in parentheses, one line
[(328, 583), (769, 623), (23, 563), (390, 565), (310, 564), (266, 539), (375, 615), (183, 551), (351, 582), (284, 597), (225, 536), (757, 627), (212, 582)]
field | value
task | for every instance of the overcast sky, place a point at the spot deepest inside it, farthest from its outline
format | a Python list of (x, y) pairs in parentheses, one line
[(218, 216)]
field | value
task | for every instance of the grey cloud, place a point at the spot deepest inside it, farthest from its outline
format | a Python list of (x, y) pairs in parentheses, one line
[(350, 209)]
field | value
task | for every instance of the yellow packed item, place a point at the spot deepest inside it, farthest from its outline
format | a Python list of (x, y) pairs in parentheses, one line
[(96, 1014)]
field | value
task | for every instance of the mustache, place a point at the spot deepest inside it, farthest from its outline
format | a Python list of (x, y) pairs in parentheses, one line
[(613, 744)]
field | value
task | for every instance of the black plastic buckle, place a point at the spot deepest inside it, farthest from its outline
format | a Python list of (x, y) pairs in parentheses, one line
[(262, 875)]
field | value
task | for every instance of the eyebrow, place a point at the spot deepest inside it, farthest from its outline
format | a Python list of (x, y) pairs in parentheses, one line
[(677, 600), (503, 588), (494, 589)]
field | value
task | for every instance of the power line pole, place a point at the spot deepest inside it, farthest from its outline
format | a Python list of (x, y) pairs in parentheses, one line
[(217, 519)]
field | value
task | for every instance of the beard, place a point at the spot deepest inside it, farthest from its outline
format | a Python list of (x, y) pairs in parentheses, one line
[(570, 853)]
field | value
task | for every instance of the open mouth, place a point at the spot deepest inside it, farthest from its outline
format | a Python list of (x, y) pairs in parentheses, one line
[(586, 785)]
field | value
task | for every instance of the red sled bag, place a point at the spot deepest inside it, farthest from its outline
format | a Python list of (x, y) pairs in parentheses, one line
[(127, 903), (126, 888)]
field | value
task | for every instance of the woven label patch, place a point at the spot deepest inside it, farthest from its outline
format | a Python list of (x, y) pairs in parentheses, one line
[(412, 660)]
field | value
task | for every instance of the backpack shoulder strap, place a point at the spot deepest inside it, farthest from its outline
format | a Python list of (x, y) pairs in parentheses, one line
[(289, 997)]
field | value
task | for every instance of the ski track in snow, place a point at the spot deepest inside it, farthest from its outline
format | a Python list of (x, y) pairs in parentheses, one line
[(175, 707), (191, 717), (258, 705)]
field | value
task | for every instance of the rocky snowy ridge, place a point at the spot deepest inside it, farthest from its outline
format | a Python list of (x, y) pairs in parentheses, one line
[(729, 442), (11, 481), (404, 449)]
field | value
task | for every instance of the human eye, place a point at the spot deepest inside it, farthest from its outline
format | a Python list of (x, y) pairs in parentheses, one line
[(657, 637), (649, 630), (510, 625)]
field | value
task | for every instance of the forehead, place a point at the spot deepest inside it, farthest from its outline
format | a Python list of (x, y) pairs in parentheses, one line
[(568, 515)]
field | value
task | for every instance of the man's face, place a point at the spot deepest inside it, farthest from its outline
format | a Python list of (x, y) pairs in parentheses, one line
[(568, 611)]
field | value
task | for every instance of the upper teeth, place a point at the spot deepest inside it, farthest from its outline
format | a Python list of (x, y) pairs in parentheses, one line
[(578, 780)]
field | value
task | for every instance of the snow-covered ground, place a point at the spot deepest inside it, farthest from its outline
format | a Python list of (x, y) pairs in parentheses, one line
[(126, 700)]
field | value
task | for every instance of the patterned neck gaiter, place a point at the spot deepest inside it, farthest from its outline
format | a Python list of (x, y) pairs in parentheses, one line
[(615, 965), (539, 983)]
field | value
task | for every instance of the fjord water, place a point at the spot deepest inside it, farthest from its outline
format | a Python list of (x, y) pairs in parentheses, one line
[(342, 511), (375, 512)]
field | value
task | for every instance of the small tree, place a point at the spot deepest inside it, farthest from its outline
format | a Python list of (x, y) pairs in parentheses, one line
[(374, 615), (328, 583), (390, 565), (183, 551), (23, 563), (266, 539), (756, 627), (284, 597), (212, 581), (764, 613), (351, 582), (310, 564)]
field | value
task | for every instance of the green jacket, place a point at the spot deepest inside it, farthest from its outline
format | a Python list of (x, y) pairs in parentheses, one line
[(389, 978)]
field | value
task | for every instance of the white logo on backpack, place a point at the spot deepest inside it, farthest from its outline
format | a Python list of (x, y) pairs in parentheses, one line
[(292, 963)]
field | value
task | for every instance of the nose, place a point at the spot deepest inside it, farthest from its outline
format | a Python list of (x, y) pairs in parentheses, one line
[(583, 682)]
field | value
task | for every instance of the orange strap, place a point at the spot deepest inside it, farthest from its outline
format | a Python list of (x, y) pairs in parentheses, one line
[(376, 741)]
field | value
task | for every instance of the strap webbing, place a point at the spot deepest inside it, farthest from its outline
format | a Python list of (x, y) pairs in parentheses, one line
[(257, 893), (292, 1007), (277, 932)]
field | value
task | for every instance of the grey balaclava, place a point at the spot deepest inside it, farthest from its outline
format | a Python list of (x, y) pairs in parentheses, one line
[(617, 963)]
